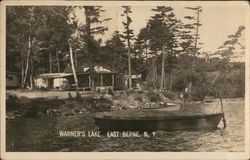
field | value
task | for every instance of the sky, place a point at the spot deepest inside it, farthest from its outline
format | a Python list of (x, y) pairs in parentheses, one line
[(219, 19)]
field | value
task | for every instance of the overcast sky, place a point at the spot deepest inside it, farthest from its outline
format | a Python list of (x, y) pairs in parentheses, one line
[(219, 19)]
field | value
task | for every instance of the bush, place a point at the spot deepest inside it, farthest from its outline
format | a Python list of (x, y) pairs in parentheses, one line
[(138, 98), (153, 97), (97, 105), (12, 102)]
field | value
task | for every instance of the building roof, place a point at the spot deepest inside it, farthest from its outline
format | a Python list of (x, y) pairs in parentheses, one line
[(54, 75), (10, 72), (133, 76), (85, 69), (68, 69)]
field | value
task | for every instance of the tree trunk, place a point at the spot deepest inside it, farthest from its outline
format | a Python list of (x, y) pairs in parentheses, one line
[(73, 67), (31, 81), (170, 80), (165, 81), (195, 46), (162, 68), (58, 62), (50, 62), (27, 63), (156, 73), (31, 73), (92, 78), (23, 66), (129, 67), (75, 58), (153, 73)]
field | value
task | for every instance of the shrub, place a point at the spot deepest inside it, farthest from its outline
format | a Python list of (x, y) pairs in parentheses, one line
[(12, 101), (153, 97)]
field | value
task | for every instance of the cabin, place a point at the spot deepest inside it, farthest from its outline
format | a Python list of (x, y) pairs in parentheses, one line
[(51, 81), (105, 79), (13, 80)]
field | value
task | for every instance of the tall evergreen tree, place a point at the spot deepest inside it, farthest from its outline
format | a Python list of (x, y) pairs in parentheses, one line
[(128, 36), (189, 44), (163, 29), (115, 52), (234, 47), (91, 47)]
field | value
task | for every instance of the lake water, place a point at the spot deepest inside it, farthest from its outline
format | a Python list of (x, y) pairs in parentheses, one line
[(42, 134)]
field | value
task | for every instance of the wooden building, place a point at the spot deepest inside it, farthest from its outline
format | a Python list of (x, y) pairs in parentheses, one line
[(136, 81), (13, 80), (104, 79)]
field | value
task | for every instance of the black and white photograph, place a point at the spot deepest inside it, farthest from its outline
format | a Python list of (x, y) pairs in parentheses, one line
[(151, 77)]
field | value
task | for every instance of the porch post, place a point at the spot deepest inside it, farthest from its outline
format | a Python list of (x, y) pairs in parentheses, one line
[(101, 80), (89, 81), (113, 80)]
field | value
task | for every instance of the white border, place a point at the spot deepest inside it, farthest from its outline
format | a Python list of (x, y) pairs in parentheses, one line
[(119, 155)]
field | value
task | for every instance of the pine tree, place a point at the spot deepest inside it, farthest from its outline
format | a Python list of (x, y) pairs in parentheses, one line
[(128, 36), (163, 30), (189, 44), (115, 53), (91, 47)]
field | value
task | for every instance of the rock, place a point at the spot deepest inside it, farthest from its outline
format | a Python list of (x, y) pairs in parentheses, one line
[(108, 96), (76, 110), (84, 110), (10, 116), (57, 112)]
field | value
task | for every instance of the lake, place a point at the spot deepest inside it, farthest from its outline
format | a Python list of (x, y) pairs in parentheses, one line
[(42, 134)]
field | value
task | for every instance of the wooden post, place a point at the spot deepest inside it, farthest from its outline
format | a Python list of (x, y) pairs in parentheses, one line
[(222, 110), (89, 82), (101, 80)]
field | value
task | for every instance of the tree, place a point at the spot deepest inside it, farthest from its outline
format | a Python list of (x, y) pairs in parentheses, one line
[(128, 35), (163, 27), (20, 33), (114, 52), (34, 33), (234, 47), (231, 73), (90, 48), (189, 44)]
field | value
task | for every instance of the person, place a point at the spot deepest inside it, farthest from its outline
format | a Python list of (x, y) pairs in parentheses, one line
[(186, 95)]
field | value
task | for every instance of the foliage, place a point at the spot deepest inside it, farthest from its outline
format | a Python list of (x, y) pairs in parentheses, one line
[(153, 97), (128, 36), (234, 47), (114, 52), (35, 35)]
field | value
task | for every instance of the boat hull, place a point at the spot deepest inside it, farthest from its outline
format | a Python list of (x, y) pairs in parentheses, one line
[(160, 123)]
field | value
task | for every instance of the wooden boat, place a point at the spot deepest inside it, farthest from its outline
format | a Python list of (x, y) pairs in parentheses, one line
[(195, 115), (148, 120)]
